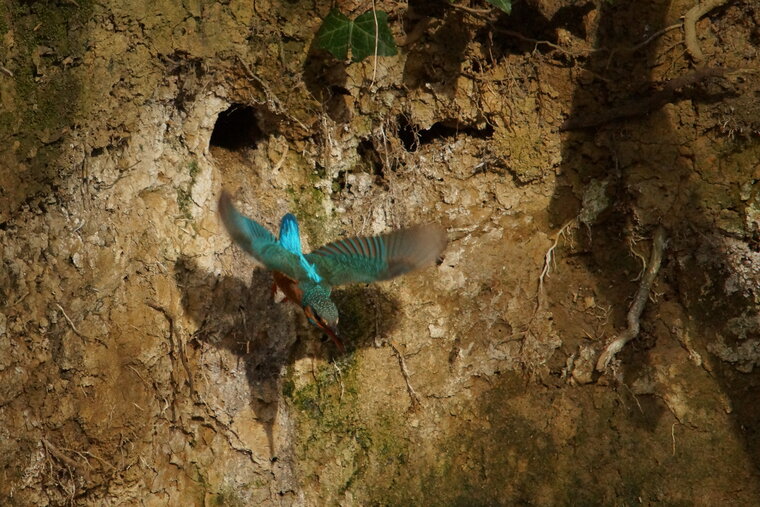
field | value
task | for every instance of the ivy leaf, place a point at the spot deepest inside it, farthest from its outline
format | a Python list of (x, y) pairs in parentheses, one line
[(504, 5), (335, 34), (363, 37), (338, 34)]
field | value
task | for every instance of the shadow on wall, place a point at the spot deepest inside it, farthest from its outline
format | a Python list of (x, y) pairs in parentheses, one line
[(649, 181), (267, 336)]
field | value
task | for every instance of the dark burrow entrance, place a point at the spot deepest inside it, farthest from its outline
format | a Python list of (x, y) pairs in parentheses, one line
[(236, 128)]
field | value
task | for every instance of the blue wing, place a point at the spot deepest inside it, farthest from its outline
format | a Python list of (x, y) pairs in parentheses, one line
[(290, 239), (375, 258), (258, 241)]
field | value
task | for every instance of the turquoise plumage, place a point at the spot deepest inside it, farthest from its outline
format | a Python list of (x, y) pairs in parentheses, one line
[(308, 279)]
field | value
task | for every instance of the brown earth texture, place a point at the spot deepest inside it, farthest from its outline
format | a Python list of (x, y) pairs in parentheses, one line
[(144, 360)]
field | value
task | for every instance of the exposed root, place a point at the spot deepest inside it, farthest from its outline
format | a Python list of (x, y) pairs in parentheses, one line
[(549, 257), (228, 431), (339, 376), (412, 393), (71, 323), (60, 456), (631, 243), (477, 12), (643, 43), (639, 301), (416, 33), (221, 425), (273, 101), (690, 26), (279, 164), (175, 346), (548, 262), (573, 53)]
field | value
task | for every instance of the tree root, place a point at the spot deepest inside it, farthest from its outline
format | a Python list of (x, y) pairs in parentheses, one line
[(690, 26), (639, 301)]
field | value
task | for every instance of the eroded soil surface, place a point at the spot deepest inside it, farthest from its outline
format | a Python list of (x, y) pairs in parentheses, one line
[(143, 358)]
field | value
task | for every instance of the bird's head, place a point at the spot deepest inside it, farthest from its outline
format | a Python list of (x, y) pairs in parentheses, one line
[(319, 308)]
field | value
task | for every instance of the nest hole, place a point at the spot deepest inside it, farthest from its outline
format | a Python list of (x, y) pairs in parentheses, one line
[(236, 128)]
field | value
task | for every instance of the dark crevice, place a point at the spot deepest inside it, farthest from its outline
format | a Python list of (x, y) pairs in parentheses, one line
[(407, 134), (371, 158), (413, 137), (371, 162), (237, 128), (340, 183)]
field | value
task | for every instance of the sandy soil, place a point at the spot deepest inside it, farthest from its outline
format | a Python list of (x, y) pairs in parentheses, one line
[(143, 359)]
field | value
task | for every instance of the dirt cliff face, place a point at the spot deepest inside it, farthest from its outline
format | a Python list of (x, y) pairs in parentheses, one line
[(143, 358)]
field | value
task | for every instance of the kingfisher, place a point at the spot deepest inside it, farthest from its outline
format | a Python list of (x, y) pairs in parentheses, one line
[(307, 280)]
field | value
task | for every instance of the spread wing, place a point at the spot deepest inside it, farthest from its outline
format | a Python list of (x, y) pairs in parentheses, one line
[(257, 240), (376, 258)]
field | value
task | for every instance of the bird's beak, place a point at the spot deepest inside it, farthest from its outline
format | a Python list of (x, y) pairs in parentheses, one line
[(332, 332)]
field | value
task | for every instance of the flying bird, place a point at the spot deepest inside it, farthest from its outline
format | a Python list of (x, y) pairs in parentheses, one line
[(307, 280)]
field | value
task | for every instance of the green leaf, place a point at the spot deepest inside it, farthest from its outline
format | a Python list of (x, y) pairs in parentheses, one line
[(338, 34), (505, 5), (335, 34), (363, 37)]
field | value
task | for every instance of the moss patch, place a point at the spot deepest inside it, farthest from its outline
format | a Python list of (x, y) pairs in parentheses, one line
[(185, 193), (340, 445), (50, 40), (307, 206)]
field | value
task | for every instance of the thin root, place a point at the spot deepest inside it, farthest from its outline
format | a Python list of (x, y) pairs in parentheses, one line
[(639, 257), (178, 347), (549, 257), (71, 323), (59, 455), (412, 393)]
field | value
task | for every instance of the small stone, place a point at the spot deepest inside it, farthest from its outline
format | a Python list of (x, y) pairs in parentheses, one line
[(437, 331)]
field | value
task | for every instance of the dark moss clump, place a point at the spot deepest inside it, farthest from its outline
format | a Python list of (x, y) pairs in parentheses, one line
[(51, 39)]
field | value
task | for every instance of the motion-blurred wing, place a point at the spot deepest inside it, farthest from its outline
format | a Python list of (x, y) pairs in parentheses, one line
[(290, 238), (378, 258), (257, 240)]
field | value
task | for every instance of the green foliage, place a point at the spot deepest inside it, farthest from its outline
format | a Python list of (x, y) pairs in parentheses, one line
[(504, 5), (338, 35)]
